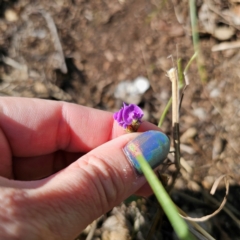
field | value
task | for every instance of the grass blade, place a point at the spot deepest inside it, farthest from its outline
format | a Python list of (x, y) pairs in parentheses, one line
[(178, 224)]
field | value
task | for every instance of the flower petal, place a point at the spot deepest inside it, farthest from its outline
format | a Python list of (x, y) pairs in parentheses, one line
[(128, 115)]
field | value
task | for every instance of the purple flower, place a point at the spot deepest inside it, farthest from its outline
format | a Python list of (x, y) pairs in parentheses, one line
[(129, 116)]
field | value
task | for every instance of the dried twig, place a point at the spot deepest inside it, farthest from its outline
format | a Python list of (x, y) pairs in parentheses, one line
[(205, 218), (92, 230), (172, 74), (225, 209), (55, 38), (216, 202), (11, 62), (225, 46), (197, 227)]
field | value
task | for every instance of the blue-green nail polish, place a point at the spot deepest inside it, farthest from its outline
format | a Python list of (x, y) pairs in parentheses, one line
[(153, 145)]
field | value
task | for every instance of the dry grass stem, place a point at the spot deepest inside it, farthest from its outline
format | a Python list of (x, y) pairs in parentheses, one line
[(186, 166), (172, 74), (226, 46), (187, 177), (55, 38), (205, 218), (11, 62), (92, 230), (196, 226)]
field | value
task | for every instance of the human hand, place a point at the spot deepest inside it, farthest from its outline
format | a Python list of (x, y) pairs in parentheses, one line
[(75, 156)]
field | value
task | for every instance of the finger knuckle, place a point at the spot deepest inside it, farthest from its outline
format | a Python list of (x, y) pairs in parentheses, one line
[(104, 178)]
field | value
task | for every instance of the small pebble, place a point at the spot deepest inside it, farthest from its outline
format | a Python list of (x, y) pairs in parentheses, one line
[(11, 15), (40, 88), (200, 113), (132, 91), (188, 134), (142, 84), (214, 93)]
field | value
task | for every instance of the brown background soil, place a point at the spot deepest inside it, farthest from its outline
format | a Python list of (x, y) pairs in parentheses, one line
[(107, 42)]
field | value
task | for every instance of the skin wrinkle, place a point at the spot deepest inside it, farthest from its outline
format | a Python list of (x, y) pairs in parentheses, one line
[(7, 110), (59, 206), (6, 147), (58, 216), (59, 162), (30, 121), (85, 119), (106, 126), (62, 142), (91, 204), (6, 157), (111, 133), (76, 193), (105, 182), (63, 129), (95, 186), (92, 138), (56, 163), (88, 201), (113, 180), (85, 194)]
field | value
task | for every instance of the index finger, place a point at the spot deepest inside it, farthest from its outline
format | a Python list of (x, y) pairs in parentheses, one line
[(35, 127)]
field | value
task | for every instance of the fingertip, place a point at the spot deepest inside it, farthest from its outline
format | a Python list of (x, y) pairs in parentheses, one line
[(117, 130), (146, 126), (152, 145)]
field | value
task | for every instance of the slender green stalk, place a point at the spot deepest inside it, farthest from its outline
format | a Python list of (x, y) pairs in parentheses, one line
[(190, 61), (193, 17), (200, 62), (180, 73), (178, 224), (165, 112)]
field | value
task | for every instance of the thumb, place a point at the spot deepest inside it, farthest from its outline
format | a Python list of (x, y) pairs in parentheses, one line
[(98, 181)]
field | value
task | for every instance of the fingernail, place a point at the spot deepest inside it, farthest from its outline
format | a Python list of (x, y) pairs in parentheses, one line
[(153, 145)]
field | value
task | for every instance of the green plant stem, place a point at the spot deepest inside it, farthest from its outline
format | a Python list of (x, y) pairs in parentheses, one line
[(193, 17), (190, 62), (194, 23), (165, 112), (180, 73), (165, 201)]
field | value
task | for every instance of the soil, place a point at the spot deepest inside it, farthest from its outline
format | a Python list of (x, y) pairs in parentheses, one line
[(79, 51)]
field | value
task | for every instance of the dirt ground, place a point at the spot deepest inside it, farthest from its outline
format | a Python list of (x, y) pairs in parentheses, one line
[(79, 51)]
